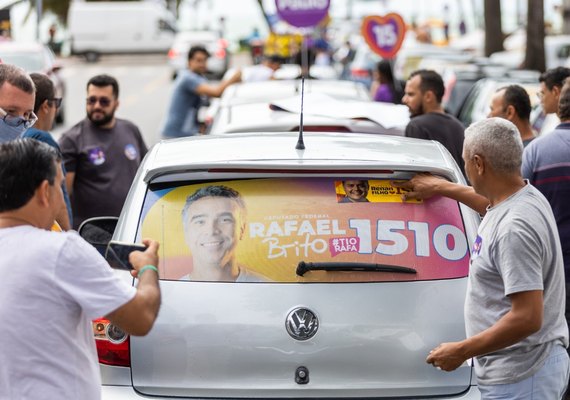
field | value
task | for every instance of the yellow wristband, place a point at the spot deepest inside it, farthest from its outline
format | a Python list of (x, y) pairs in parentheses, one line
[(147, 267)]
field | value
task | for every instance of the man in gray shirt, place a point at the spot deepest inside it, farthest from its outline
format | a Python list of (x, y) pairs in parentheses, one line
[(516, 331)]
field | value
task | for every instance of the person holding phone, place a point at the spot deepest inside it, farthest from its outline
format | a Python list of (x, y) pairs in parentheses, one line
[(52, 291)]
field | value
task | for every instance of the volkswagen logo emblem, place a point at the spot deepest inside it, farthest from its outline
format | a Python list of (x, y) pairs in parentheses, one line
[(302, 323)]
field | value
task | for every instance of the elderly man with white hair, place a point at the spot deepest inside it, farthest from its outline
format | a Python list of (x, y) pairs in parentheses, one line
[(516, 331)]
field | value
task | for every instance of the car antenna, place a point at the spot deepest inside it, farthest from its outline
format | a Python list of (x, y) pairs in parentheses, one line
[(300, 143)]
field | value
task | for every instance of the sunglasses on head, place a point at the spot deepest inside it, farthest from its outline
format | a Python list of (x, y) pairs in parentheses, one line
[(104, 101)]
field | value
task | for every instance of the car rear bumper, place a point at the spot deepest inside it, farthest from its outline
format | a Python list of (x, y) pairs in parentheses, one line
[(129, 393)]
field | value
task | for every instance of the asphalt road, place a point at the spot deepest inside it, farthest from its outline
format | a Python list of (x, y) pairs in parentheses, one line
[(145, 87)]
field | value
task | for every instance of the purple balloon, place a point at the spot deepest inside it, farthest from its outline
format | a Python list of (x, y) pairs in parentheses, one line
[(302, 13)]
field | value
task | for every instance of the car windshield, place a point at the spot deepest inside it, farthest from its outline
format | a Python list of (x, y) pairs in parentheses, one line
[(259, 230), (29, 61)]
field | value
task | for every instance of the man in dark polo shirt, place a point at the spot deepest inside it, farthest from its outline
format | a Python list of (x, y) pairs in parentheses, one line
[(423, 94), (101, 154)]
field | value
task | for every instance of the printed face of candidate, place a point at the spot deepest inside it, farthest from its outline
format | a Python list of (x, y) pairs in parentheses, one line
[(356, 190), (213, 228)]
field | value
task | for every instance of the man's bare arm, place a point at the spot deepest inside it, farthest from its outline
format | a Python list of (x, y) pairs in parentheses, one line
[(138, 315), (424, 186), (69, 178), (523, 319), (217, 90)]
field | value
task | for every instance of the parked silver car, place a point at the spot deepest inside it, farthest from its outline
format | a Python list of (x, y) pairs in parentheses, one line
[(217, 46), (290, 273), (321, 113), (277, 89)]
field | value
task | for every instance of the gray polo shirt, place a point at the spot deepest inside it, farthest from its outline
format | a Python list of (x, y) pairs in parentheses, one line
[(517, 249)]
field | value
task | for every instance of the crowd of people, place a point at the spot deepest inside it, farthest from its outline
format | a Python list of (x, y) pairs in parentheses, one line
[(517, 297), (517, 333)]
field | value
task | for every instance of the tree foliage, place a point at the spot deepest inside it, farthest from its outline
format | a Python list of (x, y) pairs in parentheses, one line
[(61, 7)]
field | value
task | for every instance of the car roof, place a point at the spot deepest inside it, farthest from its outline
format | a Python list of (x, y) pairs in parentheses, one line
[(319, 110), (249, 92), (323, 151)]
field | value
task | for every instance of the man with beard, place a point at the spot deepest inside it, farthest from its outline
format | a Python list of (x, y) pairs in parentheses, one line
[(101, 154), (423, 94)]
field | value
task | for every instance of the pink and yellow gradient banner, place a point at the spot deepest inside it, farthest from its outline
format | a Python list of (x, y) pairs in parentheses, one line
[(292, 220)]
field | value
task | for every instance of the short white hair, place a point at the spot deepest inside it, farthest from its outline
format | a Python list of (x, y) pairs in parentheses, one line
[(498, 141)]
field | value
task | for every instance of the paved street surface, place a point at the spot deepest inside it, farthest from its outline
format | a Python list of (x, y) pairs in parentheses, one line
[(145, 87)]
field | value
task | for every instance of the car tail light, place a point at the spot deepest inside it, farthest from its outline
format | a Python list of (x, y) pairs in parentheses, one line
[(360, 73), (220, 53), (112, 343), (221, 48), (172, 53)]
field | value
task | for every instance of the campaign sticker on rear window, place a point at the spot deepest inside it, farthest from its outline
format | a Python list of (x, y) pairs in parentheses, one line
[(369, 191), (264, 230)]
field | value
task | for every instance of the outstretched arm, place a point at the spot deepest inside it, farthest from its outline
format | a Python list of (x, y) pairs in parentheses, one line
[(206, 89), (425, 185), (138, 315)]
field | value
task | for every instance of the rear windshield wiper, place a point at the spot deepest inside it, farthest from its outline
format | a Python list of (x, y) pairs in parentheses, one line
[(351, 266)]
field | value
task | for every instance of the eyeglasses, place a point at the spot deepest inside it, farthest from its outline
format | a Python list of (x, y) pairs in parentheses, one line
[(104, 101), (56, 101), (540, 95), (14, 121)]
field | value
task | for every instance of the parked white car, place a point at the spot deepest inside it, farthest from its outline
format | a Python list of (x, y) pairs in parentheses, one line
[(321, 113), (107, 27), (217, 46), (277, 89)]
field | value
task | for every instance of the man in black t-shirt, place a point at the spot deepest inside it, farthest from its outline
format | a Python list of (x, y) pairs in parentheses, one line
[(101, 154), (423, 94)]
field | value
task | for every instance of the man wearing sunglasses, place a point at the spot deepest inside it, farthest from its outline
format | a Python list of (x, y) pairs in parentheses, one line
[(45, 108), (101, 154), (17, 94)]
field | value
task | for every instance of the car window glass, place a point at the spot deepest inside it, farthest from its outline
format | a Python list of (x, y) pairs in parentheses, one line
[(285, 221)]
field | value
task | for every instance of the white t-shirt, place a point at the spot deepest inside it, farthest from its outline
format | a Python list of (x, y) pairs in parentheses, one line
[(52, 284), (256, 73)]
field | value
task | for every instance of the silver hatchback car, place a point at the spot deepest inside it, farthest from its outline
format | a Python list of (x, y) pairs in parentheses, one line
[(289, 273)]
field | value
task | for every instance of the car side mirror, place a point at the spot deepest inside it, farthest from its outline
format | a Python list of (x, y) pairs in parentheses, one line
[(98, 232)]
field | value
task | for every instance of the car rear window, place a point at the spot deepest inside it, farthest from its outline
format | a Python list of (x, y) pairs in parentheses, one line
[(259, 230)]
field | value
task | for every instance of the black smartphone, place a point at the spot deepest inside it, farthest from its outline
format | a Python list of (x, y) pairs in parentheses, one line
[(117, 254)]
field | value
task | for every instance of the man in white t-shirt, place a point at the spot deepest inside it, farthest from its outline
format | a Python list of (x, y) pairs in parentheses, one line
[(54, 283), (263, 71)]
